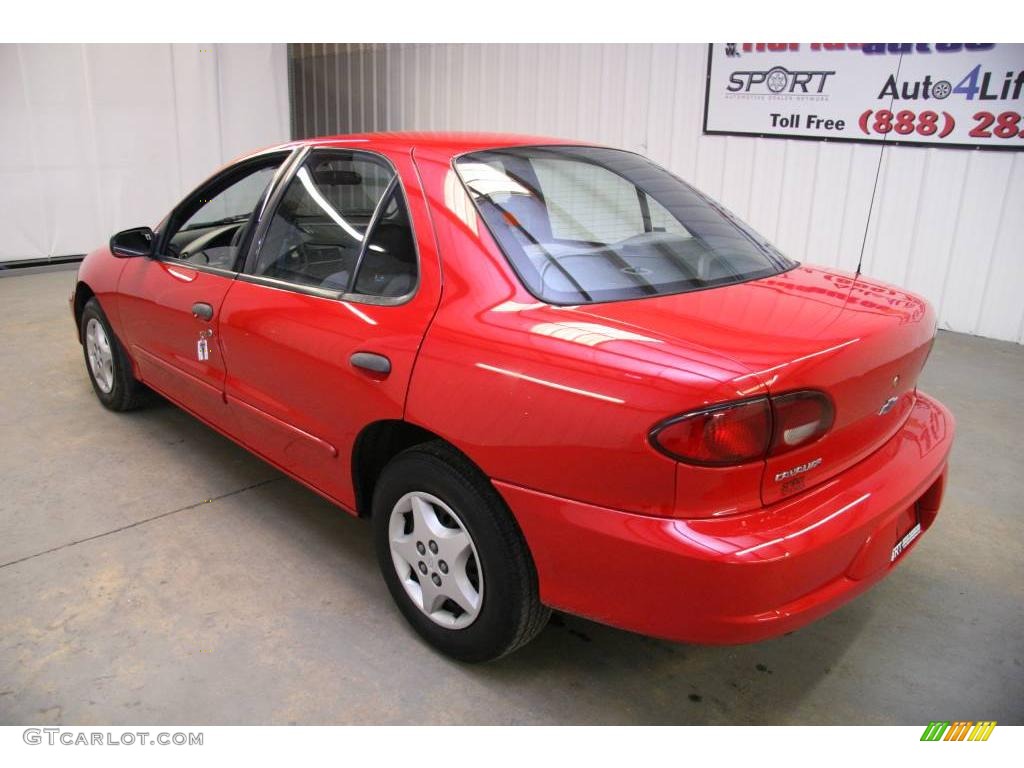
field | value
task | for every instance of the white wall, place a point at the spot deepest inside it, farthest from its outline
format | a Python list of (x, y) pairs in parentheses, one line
[(97, 138), (948, 223)]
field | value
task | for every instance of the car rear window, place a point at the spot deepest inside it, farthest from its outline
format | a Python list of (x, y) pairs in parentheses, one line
[(587, 224)]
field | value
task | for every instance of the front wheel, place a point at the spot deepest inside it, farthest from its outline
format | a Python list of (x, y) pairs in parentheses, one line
[(453, 557), (110, 370)]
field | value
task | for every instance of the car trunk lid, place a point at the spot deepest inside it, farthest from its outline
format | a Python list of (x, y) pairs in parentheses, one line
[(860, 342)]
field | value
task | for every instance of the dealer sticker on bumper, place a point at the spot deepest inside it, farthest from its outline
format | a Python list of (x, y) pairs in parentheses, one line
[(905, 542)]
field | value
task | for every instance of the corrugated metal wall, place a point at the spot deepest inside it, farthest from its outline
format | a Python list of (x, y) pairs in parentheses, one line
[(947, 223)]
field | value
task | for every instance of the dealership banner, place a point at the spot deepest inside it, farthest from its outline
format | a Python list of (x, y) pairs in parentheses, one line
[(936, 94)]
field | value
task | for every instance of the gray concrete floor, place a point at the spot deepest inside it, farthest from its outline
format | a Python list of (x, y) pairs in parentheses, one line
[(153, 572)]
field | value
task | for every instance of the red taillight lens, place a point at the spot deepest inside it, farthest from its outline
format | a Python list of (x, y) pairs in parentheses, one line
[(719, 436), (746, 430), (799, 418)]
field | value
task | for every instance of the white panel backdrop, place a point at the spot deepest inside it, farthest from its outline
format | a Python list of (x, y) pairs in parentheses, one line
[(97, 138), (947, 223)]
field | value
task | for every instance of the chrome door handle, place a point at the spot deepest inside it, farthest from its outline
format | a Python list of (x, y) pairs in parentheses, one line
[(371, 361), (202, 311)]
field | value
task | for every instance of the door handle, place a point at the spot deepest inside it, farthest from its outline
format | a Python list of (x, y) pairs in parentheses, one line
[(202, 311), (372, 362)]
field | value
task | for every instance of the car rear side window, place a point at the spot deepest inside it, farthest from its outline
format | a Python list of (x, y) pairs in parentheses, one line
[(341, 226), (585, 224)]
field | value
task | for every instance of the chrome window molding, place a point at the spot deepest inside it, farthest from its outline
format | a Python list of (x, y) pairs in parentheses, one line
[(323, 293)]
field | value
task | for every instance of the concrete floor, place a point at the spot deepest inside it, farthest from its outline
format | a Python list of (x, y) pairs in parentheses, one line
[(153, 572)]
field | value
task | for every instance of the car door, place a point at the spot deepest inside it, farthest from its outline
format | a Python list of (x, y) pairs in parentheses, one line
[(169, 304), (322, 328)]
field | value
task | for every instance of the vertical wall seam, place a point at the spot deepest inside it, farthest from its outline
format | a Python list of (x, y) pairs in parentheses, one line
[(48, 228), (782, 190), (338, 127), (328, 128), (676, 102), (376, 55), (952, 240), (538, 91), (220, 104), (630, 55), (922, 185), (578, 112), (177, 118), (877, 203), (292, 87), (363, 124), (725, 165), (352, 127), (467, 97), (1020, 326), (94, 136), (813, 198), (696, 145), (992, 251), (750, 181), (846, 204), (671, 112)]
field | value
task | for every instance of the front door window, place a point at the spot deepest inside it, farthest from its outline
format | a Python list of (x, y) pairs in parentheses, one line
[(208, 229)]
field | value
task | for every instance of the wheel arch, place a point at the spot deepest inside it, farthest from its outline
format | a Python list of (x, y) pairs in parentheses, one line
[(82, 295), (376, 444)]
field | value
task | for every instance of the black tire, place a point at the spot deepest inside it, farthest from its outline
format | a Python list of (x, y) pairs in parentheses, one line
[(126, 392), (510, 613)]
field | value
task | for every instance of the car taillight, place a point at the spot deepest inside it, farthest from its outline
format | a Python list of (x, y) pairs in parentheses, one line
[(799, 418), (726, 434), (745, 430)]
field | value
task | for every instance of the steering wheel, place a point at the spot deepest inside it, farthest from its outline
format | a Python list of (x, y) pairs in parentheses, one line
[(195, 252)]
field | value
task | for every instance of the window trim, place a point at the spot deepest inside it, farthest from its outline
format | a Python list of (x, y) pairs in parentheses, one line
[(785, 263), (162, 238), (270, 211), (374, 218)]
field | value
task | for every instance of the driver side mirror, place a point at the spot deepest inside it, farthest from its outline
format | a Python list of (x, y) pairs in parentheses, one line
[(132, 242)]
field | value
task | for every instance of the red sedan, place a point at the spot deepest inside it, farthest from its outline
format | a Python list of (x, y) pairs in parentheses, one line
[(553, 375)]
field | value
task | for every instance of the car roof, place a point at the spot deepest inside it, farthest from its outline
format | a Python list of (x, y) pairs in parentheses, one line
[(450, 143)]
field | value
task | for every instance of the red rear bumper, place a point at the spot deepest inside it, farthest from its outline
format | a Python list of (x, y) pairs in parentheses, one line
[(743, 577)]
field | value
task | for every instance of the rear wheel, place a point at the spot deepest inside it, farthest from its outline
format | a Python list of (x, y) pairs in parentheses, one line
[(110, 370), (453, 557)]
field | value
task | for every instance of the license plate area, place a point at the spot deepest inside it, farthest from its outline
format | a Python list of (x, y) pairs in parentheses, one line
[(890, 541), (904, 542)]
